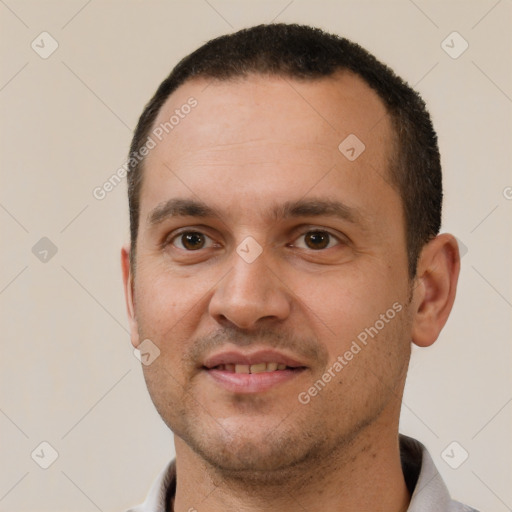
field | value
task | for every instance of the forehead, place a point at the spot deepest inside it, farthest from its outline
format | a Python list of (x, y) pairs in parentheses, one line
[(261, 135), (330, 109)]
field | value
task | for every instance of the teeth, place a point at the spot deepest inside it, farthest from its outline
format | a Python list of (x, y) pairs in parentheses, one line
[(253, 368), (258, 368)]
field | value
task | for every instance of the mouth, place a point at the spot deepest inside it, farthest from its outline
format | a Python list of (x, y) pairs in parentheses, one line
[(252, 368), (252, 373)]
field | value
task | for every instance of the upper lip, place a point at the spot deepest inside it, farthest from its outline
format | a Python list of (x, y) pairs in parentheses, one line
[(249, 358)]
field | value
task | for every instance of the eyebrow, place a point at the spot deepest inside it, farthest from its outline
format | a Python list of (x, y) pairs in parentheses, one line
[(178, 207)]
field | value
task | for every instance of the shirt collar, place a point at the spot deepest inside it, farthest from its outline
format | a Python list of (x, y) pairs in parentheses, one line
[(429, 492)]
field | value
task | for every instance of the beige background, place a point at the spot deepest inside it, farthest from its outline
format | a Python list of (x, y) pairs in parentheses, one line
[(68, 375)]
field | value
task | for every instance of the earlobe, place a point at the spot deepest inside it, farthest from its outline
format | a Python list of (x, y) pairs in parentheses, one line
[(128, 293), (435, 288)]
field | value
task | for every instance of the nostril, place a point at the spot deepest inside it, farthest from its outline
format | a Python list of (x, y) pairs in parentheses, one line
[(244, 300)]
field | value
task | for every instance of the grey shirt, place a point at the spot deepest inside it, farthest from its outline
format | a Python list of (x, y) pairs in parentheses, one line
[(429, 492)]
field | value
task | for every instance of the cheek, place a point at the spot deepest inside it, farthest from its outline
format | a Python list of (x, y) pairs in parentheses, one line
[(163, 301), (344, 304)]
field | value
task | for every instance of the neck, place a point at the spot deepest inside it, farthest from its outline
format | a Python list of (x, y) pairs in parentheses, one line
[(365, 474)]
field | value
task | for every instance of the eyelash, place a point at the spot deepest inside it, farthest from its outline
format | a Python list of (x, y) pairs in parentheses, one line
[(170, 240)]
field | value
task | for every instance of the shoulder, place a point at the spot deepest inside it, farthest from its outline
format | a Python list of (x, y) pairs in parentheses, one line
[(163, 487), (455, 506), (428, 490)]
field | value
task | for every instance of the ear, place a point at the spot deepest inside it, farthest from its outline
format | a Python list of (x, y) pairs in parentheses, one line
[(128, 293), (435, 287)]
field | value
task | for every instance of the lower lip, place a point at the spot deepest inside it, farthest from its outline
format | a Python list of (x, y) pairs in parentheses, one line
[(252, 382)]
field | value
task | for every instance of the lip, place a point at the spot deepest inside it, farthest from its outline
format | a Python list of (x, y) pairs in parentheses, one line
[(250, 383), (245, 383), (255, 357)]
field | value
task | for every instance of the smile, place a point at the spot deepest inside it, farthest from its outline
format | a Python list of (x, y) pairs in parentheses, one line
[(255, 372), (253, 368)]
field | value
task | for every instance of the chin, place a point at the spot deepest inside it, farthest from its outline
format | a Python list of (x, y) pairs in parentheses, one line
[(251, 461), (251, 450)]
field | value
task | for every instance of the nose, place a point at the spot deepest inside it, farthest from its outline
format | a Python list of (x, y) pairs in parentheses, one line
[(250, 295)]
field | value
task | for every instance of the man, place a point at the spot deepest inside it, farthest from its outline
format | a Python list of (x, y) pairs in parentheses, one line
[(285, 203)]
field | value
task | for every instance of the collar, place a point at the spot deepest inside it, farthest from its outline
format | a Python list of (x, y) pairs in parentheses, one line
[(429, 492)]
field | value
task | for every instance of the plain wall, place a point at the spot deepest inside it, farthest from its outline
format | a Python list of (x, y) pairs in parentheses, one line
[(67, 371)]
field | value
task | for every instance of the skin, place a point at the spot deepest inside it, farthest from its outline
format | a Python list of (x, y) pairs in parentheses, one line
[(250, 145)]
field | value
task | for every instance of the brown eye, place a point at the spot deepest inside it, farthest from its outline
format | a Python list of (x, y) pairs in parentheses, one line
[(190, 241), (317, 239)]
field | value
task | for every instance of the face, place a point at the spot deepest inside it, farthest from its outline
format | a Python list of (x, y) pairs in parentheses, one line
[(272, 271)]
